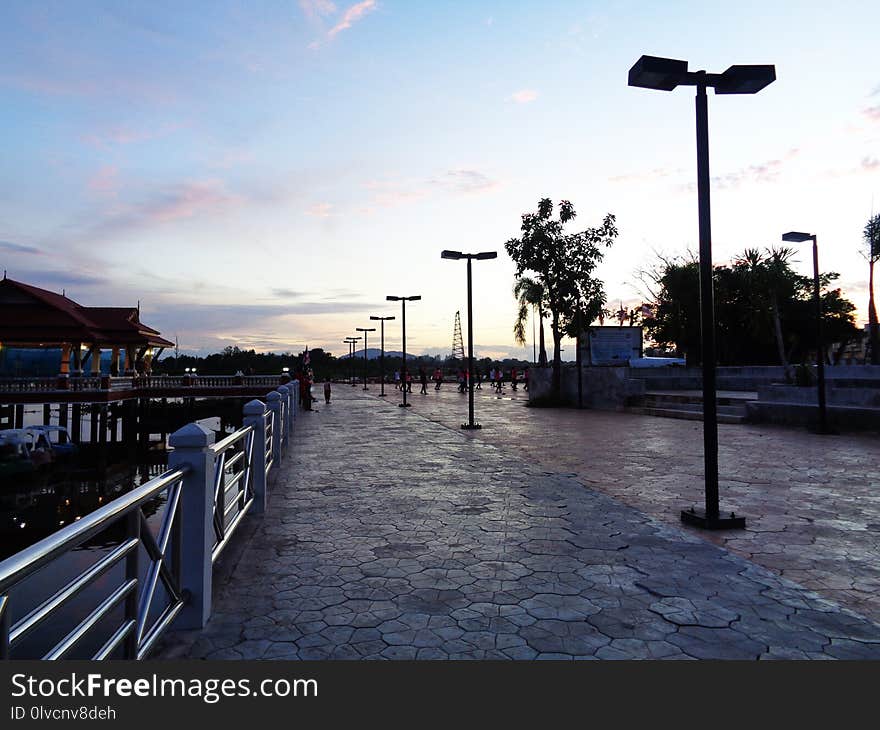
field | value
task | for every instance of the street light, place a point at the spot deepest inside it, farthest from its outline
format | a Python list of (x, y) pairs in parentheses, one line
[(365, 330), (382, 352), (403, 301), (455, 256), (797, 237), (664, 74), (351, 341)]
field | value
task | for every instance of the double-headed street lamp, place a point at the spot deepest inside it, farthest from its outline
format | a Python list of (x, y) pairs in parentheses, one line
[(382, 351), (403, 301), (455, 256), (365, 330), (797, 237), (664, 74), (351, 342)]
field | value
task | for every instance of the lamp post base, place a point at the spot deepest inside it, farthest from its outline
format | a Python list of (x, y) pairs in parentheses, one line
[(404, 405), (698, 518), (471, 426), (383, 395)]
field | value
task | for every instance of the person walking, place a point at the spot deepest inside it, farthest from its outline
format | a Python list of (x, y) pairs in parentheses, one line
[(408, 385), (438, 378), (499, 376), (327, 392), (423, 377), (513, 376), (526, 379), (397, 379)]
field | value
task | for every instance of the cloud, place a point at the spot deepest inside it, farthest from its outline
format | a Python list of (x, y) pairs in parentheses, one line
[(764, 172), (352, 15), (523, 96), (873, 113), (125, 135), (10, 247), (316, 9), (320, 210), (870, 163), (464, 181), (57, 280), (105, 180), (287, 293)]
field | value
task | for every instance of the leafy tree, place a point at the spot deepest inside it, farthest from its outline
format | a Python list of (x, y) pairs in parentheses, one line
[(529, 294), (562, 263), (872, 239)]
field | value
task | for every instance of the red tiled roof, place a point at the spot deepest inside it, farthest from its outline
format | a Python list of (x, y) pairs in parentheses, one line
[(29, 314)]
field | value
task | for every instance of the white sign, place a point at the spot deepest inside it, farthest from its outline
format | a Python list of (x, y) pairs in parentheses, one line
[(611, 345)]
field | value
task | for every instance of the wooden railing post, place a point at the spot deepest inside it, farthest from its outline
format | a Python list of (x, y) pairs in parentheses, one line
[(255, 417), (192, 446)]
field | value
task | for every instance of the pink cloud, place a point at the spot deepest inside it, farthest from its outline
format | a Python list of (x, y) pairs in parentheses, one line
[(320, 210), (873, 113), (523, 96), (314, 9), (188, 200), (105, 180), (352, 15), (124, 135)]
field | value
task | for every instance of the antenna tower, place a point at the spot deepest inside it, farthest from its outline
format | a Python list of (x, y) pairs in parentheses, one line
[(457, 341)]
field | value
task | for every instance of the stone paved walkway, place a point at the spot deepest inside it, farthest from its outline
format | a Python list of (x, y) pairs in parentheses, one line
[(390, 535)]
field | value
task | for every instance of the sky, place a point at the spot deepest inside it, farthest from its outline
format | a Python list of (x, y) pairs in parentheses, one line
[(263, 173)]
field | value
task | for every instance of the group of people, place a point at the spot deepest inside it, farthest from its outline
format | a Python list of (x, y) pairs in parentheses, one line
[(495, 378)]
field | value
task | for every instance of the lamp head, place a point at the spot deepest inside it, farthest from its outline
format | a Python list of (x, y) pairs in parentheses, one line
[(662, 74), (486, 255), (745, 79), (393, 299), (454, 255), (796, 237), (413, 299)]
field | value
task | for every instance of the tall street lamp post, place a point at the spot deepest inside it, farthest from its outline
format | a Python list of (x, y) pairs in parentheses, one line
[(797, 237), (382, 351), (455, 256), (365, 330), (351, 343), (664, 74), (403, 301)]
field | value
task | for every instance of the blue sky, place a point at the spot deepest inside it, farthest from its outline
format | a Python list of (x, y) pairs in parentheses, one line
[(264, 173)]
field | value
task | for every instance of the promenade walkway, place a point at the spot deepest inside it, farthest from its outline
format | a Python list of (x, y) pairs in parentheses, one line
[(393, 534)]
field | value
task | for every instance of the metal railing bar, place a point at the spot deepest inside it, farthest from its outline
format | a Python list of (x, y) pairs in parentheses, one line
[(23, 563), (233, 482), (4, 627), (114, 641), (159, 627), (229, 440), (229, 508), (230, 463), (33, 619), (107, 605), (218, 548)]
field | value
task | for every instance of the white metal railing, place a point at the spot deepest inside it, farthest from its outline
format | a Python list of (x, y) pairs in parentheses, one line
[(233, 486), (208, 489), (136, 631)]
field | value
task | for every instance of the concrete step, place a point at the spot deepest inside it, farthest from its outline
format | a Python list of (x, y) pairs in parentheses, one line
[(688, 414)]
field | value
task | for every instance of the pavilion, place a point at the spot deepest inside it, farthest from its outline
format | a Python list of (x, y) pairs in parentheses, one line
[(31, 317)]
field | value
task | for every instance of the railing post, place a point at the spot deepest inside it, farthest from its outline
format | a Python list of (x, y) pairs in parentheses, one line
[(273, 403), (294, 399), (287, 392), (192, 447), (255, 417)]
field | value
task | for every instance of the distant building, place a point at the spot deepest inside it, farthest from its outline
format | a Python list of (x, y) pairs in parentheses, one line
[(37, 325)]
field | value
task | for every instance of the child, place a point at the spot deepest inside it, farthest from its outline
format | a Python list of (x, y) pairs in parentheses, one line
[(327, 391)]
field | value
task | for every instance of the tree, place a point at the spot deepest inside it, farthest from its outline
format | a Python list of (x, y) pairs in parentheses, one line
[(872, 239), (562, 263), (529, 294)]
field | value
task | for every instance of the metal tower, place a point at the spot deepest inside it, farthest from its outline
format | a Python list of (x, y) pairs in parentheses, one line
[(457, 341)]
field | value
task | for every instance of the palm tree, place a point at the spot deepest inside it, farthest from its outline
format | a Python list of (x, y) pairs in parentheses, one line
[(529, 294), (872, 238)]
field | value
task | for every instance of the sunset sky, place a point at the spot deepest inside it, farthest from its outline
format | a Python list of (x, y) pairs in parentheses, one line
[(263, 174)]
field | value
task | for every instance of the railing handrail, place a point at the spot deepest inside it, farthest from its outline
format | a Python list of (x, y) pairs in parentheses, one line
[(231, 439), (32, 558)]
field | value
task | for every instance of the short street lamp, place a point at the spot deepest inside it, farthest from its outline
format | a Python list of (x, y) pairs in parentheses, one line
[(365, 330), (382, 352), (455, 256), (403, 301), (664, 74), (797, 237)]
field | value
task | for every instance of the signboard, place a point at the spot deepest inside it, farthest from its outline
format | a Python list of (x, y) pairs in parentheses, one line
[(611, 345)]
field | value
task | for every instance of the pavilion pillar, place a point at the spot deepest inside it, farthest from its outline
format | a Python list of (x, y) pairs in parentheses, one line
[(129, 359), (148, 362), (114, 361), (64, 367), (96, 359), (77, 358)]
